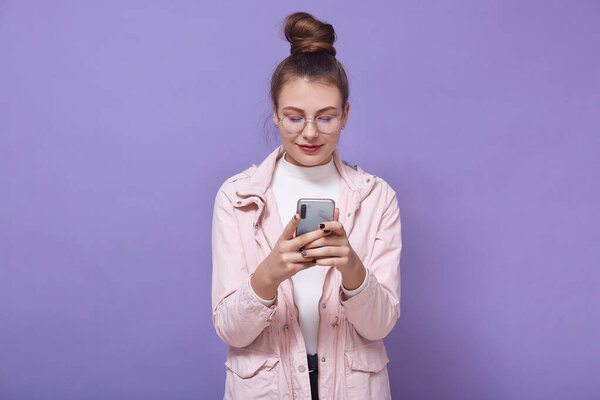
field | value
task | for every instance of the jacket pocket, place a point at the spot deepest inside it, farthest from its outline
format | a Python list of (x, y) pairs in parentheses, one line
[(251, 374), (366, 372)]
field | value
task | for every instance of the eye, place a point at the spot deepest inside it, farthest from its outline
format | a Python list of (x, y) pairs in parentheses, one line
[(295, 118), (325, 118)]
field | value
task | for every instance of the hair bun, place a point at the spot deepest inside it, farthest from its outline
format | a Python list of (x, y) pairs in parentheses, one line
[(307, 34)]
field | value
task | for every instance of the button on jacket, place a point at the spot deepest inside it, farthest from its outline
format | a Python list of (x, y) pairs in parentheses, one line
[(266, 357)]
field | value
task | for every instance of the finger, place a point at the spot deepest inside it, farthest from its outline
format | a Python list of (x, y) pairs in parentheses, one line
[(336, 214), (325, 241), (332, 261), (298, 257), (300, 241), (324, 252), (290, 228), (335, 227)]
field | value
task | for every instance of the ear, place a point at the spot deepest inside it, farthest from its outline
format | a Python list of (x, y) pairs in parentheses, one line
[(275, 117), (346, 111)]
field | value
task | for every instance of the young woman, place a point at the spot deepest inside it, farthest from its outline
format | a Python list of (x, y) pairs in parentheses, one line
[(304, 317)]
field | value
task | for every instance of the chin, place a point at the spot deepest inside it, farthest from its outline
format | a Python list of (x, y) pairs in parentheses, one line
[(308, 159), (311, 161)]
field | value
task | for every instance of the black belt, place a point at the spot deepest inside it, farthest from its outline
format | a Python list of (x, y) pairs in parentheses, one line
[(313, 362), (313, 374)]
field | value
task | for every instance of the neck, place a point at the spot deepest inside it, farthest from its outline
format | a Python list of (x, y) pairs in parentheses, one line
[(314, 173)]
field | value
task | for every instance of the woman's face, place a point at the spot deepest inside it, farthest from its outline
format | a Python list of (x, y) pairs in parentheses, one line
[(309, 99)]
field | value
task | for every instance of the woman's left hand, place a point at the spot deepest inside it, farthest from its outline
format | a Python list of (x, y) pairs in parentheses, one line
[(335, 250)]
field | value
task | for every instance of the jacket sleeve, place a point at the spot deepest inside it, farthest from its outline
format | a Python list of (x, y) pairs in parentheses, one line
[(238, 316), (375, 310)]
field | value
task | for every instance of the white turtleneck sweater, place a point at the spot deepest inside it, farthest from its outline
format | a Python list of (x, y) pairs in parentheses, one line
[(291, 182)]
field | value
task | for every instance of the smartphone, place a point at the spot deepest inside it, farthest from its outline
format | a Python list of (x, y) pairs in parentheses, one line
[(312, 213)]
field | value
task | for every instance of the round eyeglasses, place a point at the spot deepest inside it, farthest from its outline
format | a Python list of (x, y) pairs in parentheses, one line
[(326, 124)]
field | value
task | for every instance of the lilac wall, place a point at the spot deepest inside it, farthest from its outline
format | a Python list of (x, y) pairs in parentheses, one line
[(118, 122)]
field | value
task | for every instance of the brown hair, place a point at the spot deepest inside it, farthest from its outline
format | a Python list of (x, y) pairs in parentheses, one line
[(312, 56)]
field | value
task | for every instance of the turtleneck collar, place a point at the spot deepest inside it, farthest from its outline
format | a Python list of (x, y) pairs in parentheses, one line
[(314, 174)]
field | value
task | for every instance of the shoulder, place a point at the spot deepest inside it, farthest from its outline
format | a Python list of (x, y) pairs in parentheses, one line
[(234, 182), (240, 177), (384, 186), (377, 195), (385, 194), (380, 187)]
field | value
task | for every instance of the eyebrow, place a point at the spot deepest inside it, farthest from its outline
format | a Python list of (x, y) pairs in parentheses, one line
[(301, 110)]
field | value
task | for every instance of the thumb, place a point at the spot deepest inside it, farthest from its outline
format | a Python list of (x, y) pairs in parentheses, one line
[(336, 214), (290, 228)]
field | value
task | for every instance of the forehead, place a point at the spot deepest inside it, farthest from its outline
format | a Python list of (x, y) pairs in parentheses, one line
[(309, 96)]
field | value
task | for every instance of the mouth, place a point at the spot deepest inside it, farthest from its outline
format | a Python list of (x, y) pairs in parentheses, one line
[(310, 148)]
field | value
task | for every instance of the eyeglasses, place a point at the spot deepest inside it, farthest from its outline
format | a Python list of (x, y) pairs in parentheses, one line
[(326, 124)]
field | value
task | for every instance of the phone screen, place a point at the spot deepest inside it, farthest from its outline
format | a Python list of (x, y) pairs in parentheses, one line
[(312, 212)]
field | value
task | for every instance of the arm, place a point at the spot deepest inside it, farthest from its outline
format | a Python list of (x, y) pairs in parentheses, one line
[(238, 316), (374, 311)]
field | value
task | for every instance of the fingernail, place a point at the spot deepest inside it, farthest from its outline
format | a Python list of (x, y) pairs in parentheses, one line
[(314, 261), (321, 226), (326, 231), (303, 253), (295, 217)]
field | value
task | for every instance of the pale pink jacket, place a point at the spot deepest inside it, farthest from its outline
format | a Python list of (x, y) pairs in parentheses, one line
[(266, 356)]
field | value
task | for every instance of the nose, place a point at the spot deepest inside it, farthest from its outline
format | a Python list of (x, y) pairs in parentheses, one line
[(310, 129)]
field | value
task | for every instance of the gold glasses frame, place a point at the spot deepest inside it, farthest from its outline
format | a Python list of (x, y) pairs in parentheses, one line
[(306, 120)]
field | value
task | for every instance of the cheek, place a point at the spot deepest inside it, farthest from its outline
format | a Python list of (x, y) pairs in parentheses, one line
[(332, 142), (286, 139), (288, 144)]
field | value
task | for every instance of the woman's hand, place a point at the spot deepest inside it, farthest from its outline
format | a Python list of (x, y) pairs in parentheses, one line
[(284, 260), (334, 249)]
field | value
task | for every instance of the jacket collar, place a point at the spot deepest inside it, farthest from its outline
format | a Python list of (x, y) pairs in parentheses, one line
[(355, 178)]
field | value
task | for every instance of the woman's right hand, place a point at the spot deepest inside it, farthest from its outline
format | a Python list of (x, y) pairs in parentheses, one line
[(284, 261)]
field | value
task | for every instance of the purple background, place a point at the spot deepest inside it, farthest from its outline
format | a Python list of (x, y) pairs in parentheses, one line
[(119, 121)]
